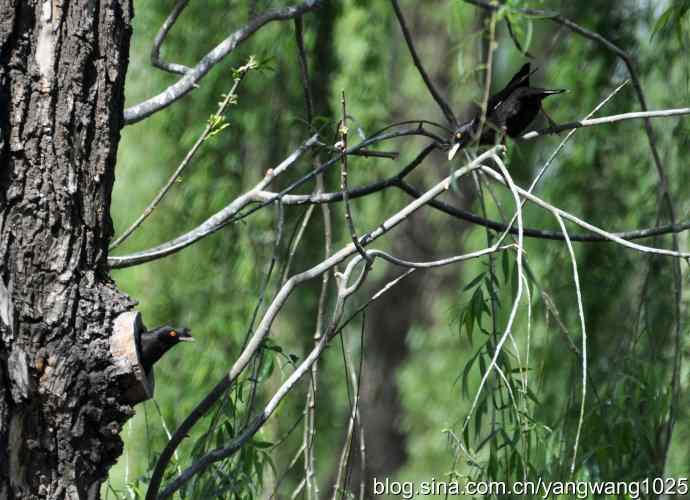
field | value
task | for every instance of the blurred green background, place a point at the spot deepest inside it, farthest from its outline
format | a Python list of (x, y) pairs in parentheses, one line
[(426, 343)]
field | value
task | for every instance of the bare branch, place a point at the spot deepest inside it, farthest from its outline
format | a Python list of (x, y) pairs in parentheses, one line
[(213, 223), (160, 38), (231, 212), (211, 128), (581, 314), (343, 180), (586, 225), (304, 68), (398, 181), (663, 180), (189, 81), (606, 120), (447, 111), (263, 330)]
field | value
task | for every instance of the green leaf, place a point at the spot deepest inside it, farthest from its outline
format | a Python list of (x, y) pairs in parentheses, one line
[(267, 367), (466, 373), (477, 305), (272, 346), (530, 32), (672, 19), (505, 264), (475, 281), (469, 324)]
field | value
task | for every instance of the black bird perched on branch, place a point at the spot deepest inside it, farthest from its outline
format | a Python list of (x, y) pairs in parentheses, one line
[(154, 343), (509, 111)]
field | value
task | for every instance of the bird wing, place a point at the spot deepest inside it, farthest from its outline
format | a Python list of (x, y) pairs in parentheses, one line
[(520, 79)]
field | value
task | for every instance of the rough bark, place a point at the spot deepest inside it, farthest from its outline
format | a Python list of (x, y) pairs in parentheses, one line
[(62, 69)]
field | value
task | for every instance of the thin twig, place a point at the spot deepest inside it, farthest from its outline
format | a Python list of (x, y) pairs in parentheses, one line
[(343, 130), (296, 241), (442, 103), (280, 224), (189, 81), (562, 144), (489, 71), (362, 440), (340, 481), (663, 184), (292, 463), (309, 434), (517, 43), (211, 127), (264, 327), (662, 113), (215, 222), (581, 314), (369, 153), (304, 68), (507, 179), (586, 225)]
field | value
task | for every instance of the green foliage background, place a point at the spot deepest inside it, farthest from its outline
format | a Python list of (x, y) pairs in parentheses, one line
[(605, 175)]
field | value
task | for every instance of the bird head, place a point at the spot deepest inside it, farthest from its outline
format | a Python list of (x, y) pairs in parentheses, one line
[(153, 344), (462, 137), (170, 336)]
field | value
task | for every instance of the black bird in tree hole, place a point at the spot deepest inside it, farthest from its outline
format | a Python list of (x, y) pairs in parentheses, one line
[(154, 343), (508, 112)]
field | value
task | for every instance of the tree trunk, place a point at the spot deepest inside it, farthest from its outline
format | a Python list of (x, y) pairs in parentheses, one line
[(62, 70)]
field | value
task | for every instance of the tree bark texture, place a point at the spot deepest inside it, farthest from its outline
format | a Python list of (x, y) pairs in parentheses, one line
[(62, 71)]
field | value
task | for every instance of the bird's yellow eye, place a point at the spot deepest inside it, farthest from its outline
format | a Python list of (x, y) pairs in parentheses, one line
[(458, 135), (173, 333)]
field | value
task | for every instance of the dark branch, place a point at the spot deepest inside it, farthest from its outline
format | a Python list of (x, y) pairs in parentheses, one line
[(343, 131), (182, 432), (232, 212), (228, 215), (459, 213), (304, 68), (447, 111)]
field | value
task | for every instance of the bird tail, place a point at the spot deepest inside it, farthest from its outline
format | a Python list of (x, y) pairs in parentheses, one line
[(548, 92), (521, 78)]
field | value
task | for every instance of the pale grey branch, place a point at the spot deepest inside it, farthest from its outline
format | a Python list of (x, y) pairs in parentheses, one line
[(191, 78)]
